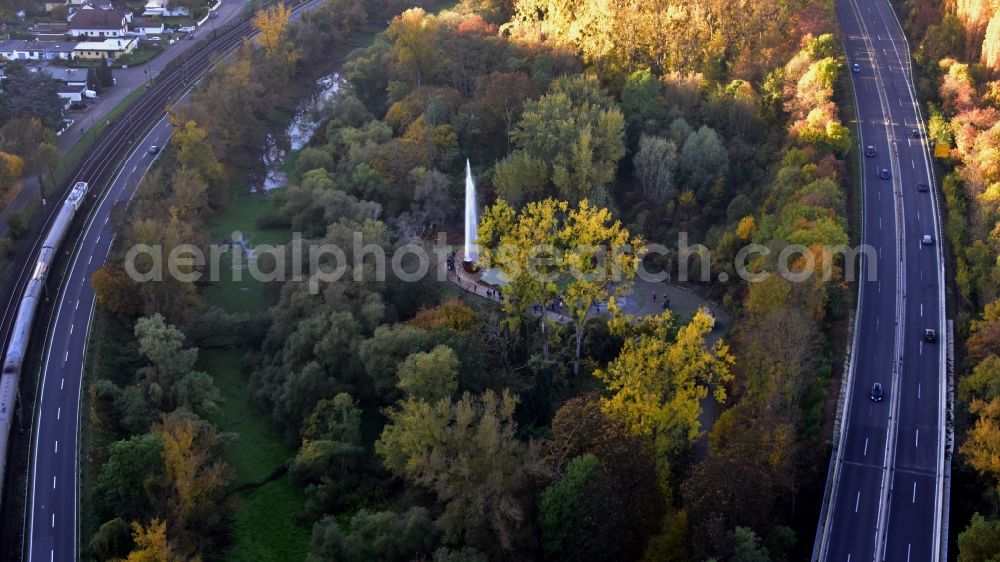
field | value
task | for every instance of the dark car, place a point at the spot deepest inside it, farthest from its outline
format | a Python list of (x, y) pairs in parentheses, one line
[(877, 395), (870, 151), (154, 149), (915, 133), (856, 68), (923, 187), (930, 336), (884, 174)]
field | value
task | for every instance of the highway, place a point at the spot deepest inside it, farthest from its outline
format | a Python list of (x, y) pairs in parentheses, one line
[(53, 523), (51, 516), (886, 501)]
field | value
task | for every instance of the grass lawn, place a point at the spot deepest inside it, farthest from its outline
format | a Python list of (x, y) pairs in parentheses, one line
[(138, 56), (246, 294), (265, 529)]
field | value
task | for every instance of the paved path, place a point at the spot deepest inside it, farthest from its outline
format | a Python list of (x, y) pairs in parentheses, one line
[(126, 81)]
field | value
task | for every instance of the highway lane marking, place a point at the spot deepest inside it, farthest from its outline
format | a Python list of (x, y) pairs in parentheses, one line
[(880, 223), (918, 391), (916, 440), (913, 164), (866, 447), (90, 260), (921, 347), (53, 482), (66, 358), (71, 329), (876, 323), (58, 413), (57, 446), (53, 520), (921, 310), (136, 167), (77, 307), (907, 552), (914, 492), (52, 555), (62, 383), (857, 502)]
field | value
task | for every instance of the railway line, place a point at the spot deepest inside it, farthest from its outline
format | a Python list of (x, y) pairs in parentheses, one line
[(118, 139)]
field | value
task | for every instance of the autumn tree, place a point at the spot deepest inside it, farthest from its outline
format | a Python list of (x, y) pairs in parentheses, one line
[(195, 479), (152, 544), (272, 32), (524, 246), (414, 38), (601, 257), (658, 380), (449, 314), (115, 292)]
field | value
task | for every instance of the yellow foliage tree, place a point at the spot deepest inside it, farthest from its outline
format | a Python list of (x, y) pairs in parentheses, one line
[(982, 447), (152, 545), (194, 476), (657, 382), (272, 27)]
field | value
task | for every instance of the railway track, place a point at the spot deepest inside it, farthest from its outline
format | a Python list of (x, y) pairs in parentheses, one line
[(98, 167)]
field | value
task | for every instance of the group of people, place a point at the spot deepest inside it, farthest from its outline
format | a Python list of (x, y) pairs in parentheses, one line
[(666, 301)]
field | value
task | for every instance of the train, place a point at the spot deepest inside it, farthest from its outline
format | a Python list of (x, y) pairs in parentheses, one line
[(13, 359)]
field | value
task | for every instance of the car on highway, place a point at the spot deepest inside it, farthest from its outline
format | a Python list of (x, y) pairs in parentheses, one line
[(923, 187), (856, 68), (154, 149), (930, 336), (870, 152), (884, 174), (877, 395), (915, 133), (927, 240)]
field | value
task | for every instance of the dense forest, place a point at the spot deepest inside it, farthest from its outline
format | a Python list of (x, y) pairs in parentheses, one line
[(431, 425), (957, 55)]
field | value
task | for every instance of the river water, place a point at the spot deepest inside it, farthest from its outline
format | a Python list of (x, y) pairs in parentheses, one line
[(307, 119)]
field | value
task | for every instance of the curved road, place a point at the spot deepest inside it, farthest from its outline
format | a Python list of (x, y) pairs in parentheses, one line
[(52, 519), (887, 501), (52, 523)]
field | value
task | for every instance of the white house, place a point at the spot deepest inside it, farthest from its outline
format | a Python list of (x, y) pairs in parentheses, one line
[(162, 8), (16, 49), (108, 49), (143, 26), (97, 24)]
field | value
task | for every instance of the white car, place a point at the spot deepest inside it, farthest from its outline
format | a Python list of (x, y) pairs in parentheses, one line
[(927, 240), (186, 29)]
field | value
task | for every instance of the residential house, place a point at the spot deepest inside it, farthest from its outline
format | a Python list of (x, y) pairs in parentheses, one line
[(72, 81), (50, 31), (108, 49), (97, 24), (67, 76), (143, 26), (163, 8), (16, 49)]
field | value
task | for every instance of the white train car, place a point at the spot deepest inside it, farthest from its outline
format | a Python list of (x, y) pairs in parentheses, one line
[(27, 307)]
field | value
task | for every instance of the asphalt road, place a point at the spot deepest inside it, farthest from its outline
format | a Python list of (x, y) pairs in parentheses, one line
[(53, 522), (885, 504), (126, 81)]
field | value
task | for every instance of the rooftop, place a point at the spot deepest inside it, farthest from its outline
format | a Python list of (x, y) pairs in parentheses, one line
[(97, 19), (106, 45)]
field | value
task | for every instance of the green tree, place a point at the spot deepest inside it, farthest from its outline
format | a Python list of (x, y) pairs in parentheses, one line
[(430, 376), (642, 100), (980, 541), (468, 455), (703, 161), (656, 167), (121, 488), (383, 535), (561, 500), (30, 94)]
